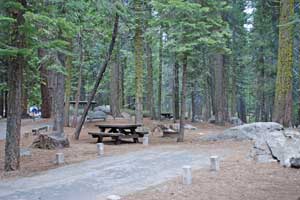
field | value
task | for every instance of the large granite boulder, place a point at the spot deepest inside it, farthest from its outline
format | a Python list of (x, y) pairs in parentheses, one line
[(96, 115), (105, 109), (244, 132), (271, 142)]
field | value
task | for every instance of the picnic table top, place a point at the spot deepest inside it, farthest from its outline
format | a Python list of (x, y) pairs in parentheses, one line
[(118, 125)]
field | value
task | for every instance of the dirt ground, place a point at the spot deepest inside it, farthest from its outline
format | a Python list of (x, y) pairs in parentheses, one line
[(85, 147), (239, 177)]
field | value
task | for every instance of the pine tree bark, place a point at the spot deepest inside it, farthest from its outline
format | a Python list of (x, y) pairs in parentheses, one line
[(218, 60), (138, 51), (2, 104), (176, 90), (160, 74), (68, 90), (15, 73), (183, 97), (46, 106), (79, 83), (283, 96), (115, 86)]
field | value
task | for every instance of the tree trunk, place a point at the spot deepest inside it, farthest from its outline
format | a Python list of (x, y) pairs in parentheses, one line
[(150, 97), (59, 98), (160, 74), (79, 83), (283, 97), (68, 90), (1, 104), (218, 60), (138, 51), (183, 97), (15, 73), (46, 107), (99, 77), (24, 101), (242, 110), (115, 86), (176, 90)]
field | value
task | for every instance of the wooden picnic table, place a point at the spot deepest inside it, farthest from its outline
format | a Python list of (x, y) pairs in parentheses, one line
[(167, 115), (118, 132)]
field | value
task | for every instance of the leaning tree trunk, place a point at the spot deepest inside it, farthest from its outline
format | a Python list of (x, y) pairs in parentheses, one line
[(15, 72), (138, 51), (183, 97), (99, 77), (283, 96)]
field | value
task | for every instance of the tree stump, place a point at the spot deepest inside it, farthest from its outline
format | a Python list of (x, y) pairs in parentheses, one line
[(51, 141)]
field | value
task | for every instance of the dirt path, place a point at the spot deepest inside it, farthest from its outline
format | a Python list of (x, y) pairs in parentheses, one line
[(123, 174)]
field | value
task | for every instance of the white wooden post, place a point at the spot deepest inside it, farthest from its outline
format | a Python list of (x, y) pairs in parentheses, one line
[(145, 140), (60, 159), (100, 148), (187, 175), (214, 163)]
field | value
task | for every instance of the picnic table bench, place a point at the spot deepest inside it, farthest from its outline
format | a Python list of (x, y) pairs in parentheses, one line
[(36, 131), (118, 132)]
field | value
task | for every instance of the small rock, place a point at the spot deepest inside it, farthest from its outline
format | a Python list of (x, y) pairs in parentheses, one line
[(113, 197), (126, 115), (25, 152), (295, 163)]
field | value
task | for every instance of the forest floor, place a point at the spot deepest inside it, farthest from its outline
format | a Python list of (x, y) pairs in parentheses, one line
[(239, 177)]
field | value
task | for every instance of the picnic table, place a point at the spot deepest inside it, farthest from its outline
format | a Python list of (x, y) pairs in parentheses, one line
[(167, 115), (118, 132)]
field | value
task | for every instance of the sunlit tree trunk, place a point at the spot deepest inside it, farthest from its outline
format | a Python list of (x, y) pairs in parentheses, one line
[(138, 51), (283, 94)]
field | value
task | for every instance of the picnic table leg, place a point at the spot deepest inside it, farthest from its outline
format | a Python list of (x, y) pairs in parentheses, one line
[(136, 140), (100, 139), (117, 140), (102, 129)]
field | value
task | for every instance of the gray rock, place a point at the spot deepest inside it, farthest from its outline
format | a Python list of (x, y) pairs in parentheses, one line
[(295, 163), (25, 152), (212, 120), (104, 108), (190, 127), (236, 121), (126, 115), (271, 141), (244, 132), (176, 127), (96, 115)]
